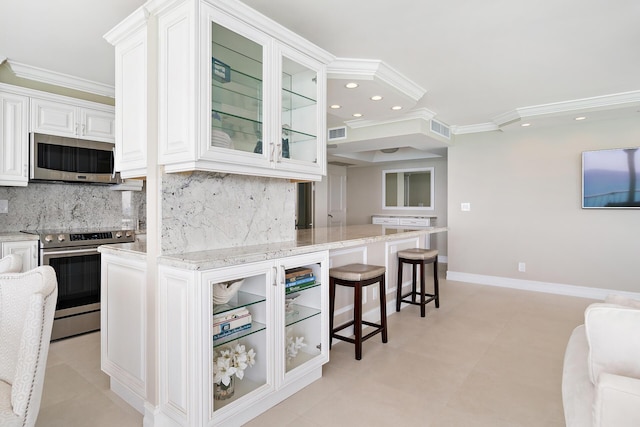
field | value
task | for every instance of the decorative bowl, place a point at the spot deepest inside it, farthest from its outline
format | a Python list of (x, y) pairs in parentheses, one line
[(224, 291)]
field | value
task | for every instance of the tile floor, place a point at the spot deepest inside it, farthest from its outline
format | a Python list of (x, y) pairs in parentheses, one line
[(487, 357)]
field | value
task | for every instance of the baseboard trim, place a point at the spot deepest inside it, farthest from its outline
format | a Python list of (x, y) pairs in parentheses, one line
[(532, 285)]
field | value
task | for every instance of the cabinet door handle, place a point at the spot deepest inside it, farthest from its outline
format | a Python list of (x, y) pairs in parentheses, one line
[(273, 151), (279, 157), (275, 275)]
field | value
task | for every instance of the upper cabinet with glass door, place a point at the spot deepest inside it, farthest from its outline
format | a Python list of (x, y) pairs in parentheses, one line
[(250, 100)]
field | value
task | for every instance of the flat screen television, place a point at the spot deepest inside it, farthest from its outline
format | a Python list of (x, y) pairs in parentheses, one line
[(611, 178)]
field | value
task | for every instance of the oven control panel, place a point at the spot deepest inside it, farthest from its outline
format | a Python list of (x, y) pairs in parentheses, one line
[(90, 236), (85, 238)]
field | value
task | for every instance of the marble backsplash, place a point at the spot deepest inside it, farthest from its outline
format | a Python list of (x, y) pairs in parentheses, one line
[(70, 206), (203, 211)]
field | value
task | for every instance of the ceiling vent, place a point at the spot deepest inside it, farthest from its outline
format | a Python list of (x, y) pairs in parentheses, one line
[(337, 133), (440, 129), (336, 163)]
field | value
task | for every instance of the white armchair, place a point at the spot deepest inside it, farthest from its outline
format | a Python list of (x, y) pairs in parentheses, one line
[(601, 375), (12, 263), (27, 306)]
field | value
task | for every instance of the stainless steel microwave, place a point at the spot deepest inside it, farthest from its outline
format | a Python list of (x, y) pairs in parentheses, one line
[(57, 158)]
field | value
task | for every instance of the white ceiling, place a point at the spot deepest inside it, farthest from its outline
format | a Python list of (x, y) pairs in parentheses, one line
[(477, 61)]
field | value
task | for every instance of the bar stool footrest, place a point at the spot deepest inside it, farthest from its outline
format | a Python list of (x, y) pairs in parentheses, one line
[(378, 329), (430, 297)]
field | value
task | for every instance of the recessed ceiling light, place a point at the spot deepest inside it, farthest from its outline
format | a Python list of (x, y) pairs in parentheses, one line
[(336, 106), (397, 107), (351, 85), (357, 115), (580, 118), (524, 125), (376, 98)]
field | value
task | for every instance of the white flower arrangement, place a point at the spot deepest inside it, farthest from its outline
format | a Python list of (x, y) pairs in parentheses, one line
[(232, 361), (292, 347)]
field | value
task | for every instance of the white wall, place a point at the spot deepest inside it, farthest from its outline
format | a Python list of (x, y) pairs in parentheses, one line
[(524, 186), (364, 195)]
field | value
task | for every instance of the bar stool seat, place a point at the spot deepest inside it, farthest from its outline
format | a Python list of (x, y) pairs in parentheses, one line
[(415, 257), (357, 276)]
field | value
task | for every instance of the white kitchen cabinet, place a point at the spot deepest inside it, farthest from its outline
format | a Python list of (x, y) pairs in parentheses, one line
[(131, 61), (408, 221), (236, 93), (189, 344), (123, 326), (27, 249), (72, 120), (14, 139), (383, 220), (416, 222)]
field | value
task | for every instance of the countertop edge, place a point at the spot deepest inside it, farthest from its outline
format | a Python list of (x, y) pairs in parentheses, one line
[(17, 237), (206, 260), (225, 257)]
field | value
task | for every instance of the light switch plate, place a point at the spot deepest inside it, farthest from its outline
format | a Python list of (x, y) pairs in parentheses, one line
[(4, 206), (465, 206)]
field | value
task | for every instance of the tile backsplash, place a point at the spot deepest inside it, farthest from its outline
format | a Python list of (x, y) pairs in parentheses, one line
[(69, 206)]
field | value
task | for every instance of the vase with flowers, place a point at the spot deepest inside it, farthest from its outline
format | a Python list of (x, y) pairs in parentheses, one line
[(229, 363)]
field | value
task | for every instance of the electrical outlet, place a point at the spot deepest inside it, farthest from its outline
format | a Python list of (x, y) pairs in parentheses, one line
[(465, 207), (4, 206), (522, 267)]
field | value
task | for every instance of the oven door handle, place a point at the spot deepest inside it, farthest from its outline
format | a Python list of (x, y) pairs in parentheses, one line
[(74, 252)]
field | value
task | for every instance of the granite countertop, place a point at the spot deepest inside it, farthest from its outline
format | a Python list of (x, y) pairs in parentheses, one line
[(137, 249), (16, 236), (405, 215), (311, 240)]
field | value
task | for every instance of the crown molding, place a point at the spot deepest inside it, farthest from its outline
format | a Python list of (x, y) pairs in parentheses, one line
[(370, 69), (131, 24), (417, 114), (59, 79), (477, 128), (595, 103)]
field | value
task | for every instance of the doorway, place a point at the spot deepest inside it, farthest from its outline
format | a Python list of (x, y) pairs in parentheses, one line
[(304, 207)]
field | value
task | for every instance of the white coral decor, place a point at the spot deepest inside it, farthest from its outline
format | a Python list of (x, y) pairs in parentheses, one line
[(293, 345), (232, 361)]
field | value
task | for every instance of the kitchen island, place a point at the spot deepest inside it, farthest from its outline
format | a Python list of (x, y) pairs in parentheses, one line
[(184, 303), (309, 240)]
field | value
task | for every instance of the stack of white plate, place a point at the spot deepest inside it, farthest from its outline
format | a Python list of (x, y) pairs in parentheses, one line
[(220, 139)]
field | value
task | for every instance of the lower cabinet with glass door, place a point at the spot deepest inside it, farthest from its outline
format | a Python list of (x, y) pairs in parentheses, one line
[(235, 341)]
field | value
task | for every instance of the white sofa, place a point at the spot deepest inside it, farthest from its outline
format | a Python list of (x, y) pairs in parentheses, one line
[(601, 374)]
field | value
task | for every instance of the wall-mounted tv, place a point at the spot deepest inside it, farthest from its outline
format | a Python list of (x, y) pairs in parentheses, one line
[(611, 178)]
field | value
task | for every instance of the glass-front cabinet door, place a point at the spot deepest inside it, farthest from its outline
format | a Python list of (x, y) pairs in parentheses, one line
[(239, 95), (302, 115), (304, 284), (240, 333)]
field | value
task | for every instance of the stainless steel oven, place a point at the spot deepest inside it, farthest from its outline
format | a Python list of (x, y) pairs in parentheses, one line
[(75, 258)]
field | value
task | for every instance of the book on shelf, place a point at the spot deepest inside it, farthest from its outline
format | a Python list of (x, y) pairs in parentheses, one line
[(300, 287), (293, 279), (301, 281), (231, 322), (226, 333), (230, 314), (298, 271)]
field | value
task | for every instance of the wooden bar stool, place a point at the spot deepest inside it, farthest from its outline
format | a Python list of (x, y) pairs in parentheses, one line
[(415, 257), (357, 276)]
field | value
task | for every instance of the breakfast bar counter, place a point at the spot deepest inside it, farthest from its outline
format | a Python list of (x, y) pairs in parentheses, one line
[(307, 241)]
